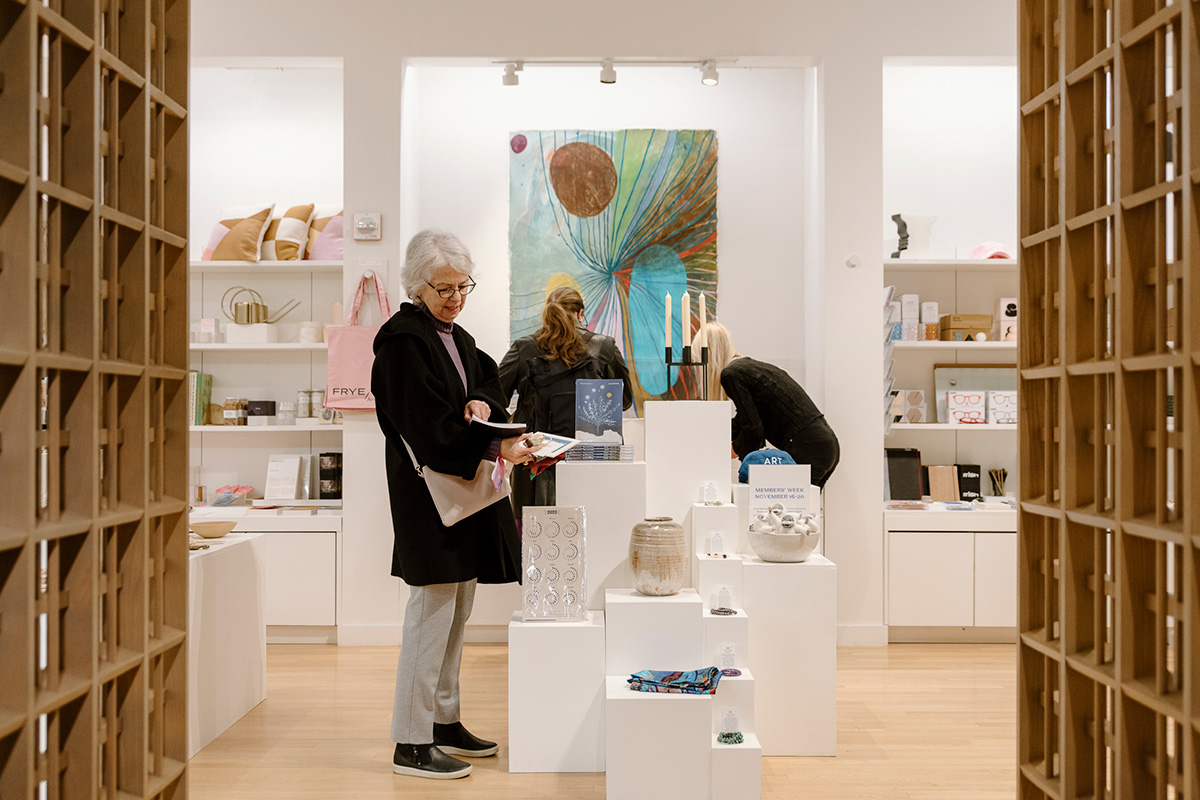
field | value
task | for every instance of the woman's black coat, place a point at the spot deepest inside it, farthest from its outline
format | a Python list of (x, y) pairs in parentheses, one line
[(418, 395)]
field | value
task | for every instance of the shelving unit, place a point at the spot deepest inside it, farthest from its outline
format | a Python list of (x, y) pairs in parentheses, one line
[(218, 347), (946, 572)]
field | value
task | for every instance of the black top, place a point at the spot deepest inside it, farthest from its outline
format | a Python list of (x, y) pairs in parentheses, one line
[(514, 371), (770, 405), (419, 395)]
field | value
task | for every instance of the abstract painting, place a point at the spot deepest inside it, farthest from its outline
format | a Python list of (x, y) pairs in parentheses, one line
[(626, 217)]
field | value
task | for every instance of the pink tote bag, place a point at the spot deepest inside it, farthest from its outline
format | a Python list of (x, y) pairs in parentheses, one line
[(348, 377)]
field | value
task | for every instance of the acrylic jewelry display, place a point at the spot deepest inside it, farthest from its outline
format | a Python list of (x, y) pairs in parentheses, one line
[(553, 561)]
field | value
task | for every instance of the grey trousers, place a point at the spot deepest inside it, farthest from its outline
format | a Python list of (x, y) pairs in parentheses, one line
[(430, 657)]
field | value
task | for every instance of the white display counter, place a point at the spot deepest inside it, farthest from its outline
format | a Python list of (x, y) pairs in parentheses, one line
[(227, 641)]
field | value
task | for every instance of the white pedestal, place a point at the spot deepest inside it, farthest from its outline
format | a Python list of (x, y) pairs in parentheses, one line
[(793, 653), (737, 769), (660, 746), (614, 496), (556, 695), (687, 443), (736, 693), (644, 632), (706, 520), (734, 630), (741, 499), (227, 638), (715, 573)]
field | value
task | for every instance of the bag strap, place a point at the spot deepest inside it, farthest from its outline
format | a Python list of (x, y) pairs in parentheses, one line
[(385, 307), (413, 456)]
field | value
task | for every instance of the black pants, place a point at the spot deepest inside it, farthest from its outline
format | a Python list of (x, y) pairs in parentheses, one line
[(816, 445)]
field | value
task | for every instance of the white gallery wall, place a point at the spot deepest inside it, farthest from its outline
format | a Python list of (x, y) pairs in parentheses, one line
[(262, 135), (847, 41), (950, 150)]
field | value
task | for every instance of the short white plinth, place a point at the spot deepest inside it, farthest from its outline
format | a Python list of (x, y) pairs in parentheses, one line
[(644, 632), (660, 746), (715, 573), (793, 652), (737, 769), (741, 499), (687, 443), (727, 630), (707, 520), (736, 693), (614, 496), (556, 695)]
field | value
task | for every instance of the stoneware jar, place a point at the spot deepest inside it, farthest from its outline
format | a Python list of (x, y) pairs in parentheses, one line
[(658, 556)]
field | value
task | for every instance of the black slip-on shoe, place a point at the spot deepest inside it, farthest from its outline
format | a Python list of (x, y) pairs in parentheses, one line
[(427, 761), (454, 738)]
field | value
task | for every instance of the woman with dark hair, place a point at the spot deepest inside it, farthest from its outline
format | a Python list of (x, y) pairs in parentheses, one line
[(568, 347), (770, 406), (429, 379)]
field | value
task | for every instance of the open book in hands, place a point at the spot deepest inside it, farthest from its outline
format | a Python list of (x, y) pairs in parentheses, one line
[(549, 445)]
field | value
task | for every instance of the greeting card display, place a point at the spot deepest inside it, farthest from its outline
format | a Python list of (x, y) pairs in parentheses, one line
[(553, 560)]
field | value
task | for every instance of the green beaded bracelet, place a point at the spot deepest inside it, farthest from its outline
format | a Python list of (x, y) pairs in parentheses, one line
[(730, 738)]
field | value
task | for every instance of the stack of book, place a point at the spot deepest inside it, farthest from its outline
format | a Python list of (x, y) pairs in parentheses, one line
[(199, 396), (600, 452)]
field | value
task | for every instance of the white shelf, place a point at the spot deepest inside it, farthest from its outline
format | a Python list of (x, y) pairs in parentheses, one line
[(940, 345), (278, 267), (950, 264), (222, 346), (946, 426), (940, 519), (301, 426)]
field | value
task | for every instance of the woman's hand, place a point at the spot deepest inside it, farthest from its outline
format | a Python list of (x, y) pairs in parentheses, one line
[(477, 408), (513, 451)]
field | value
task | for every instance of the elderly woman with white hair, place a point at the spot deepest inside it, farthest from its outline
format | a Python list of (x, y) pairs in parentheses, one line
[(429, 379)]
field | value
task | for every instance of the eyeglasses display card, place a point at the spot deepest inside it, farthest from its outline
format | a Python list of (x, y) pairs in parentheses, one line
[(966, 408), (1002, 408), (553, 557)]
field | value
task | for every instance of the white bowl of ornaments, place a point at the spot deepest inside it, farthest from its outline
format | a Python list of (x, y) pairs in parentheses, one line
[(782, 537)]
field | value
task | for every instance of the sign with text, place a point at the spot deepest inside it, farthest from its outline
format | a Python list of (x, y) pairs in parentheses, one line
[(786, 485)]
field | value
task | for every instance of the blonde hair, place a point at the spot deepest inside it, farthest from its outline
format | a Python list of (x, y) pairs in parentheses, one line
[(558, 337), (720, 352)]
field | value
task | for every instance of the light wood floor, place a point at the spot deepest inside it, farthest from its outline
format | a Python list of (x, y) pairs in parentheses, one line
[(915, 722)]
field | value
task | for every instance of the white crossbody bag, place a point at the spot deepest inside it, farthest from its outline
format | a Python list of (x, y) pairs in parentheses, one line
[(455, 498)]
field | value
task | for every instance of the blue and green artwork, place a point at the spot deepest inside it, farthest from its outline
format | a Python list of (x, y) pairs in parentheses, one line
[(626, 217)]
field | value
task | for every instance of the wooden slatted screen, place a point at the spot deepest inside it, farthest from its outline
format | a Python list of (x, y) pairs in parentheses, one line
[(1109, 543), (93, 366)]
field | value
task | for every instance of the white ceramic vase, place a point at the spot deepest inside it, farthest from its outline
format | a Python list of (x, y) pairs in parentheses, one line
[(658, 556)]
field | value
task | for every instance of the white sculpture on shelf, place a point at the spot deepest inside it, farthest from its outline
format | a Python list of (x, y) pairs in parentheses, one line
[(784, 537)]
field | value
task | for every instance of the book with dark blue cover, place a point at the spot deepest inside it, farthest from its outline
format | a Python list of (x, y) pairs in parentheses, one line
[(598, 411)]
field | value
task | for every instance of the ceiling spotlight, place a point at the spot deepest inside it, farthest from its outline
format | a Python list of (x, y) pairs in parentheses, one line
[(607, 73), (708, 73), (510, 74)]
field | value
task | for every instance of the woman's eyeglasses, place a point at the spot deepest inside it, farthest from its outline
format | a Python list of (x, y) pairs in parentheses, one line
[(450, 291)]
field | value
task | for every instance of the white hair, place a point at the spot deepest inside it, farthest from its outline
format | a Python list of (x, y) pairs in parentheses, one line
[(429, 251)]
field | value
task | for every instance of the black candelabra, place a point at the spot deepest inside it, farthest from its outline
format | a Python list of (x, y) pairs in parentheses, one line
[(686, 360)]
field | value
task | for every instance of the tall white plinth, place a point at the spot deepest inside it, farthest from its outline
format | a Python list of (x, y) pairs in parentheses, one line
[(644, 632), (793, 653), (687, 443), (727, 630), (707, 520), (614, 496), (715, 572), (741, 499), (556, 695), (660, 746), (737, 769)]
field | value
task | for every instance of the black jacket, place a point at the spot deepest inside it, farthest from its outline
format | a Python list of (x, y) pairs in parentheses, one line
[(770, 405), (514, 370), (418, 395)]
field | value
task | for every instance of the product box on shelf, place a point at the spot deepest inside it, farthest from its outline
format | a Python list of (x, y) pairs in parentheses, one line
[(256, 333), (1005, 329), (910, 308), (965, 327), (929, 321), (1002, 408)]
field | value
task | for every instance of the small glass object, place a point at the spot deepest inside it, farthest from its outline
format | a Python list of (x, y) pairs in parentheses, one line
[(303, 404), (285, 414)]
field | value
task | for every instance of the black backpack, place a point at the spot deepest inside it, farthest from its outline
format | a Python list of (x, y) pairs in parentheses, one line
[(553, 386)]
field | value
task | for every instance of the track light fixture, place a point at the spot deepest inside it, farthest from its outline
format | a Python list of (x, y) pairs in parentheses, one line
[(607, 73), (708, 73), (510, 74)]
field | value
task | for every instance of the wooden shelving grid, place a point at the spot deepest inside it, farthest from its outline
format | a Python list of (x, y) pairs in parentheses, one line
[(1109, 354), (93, 399)]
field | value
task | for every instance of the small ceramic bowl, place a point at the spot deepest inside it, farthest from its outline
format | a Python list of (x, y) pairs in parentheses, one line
[(212, 528), (784, 547)]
